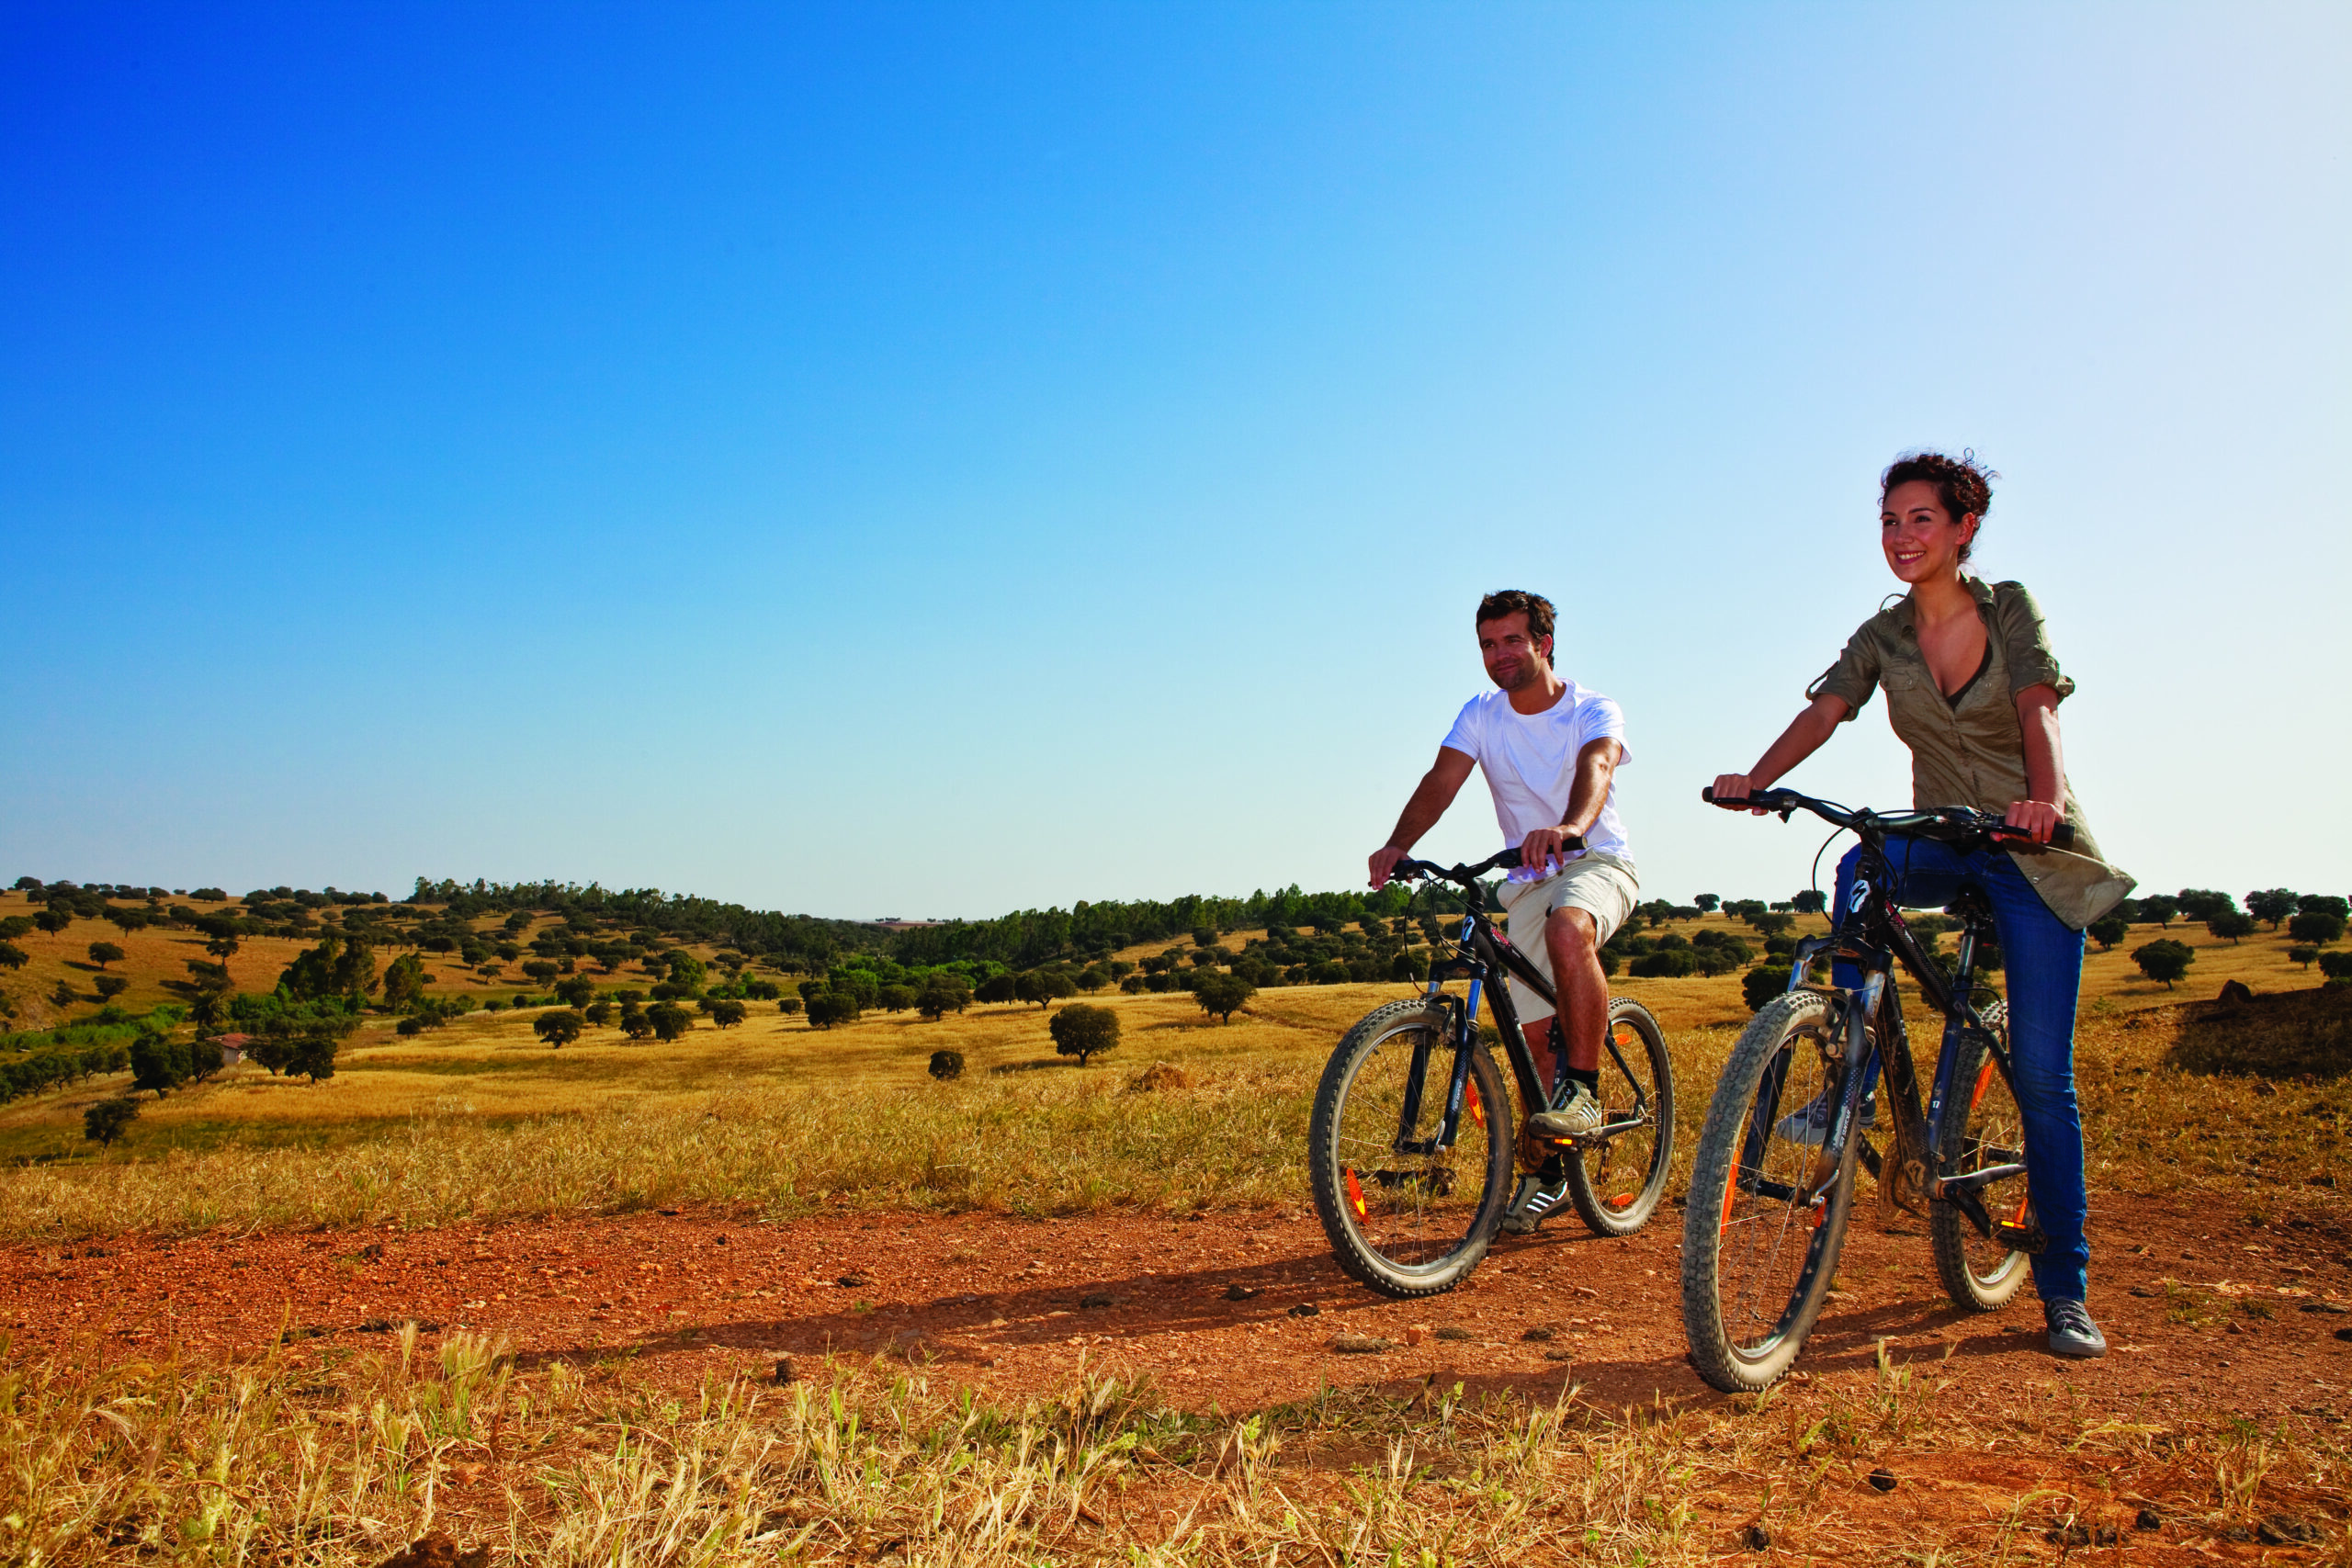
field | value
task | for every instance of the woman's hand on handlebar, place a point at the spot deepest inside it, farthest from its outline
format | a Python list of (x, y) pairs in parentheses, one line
[(1736, 786), (2037, 819), (1383, 863)]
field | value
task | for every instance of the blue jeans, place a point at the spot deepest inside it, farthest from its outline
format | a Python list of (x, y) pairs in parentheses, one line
[(2042, 962)]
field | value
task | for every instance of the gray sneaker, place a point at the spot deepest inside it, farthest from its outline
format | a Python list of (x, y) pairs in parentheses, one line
[(1538, 1196), (1810, 1123), (2071, 1332), (1577, 1116)]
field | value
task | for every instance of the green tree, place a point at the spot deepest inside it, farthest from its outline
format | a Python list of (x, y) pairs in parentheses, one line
[(726, 1013), (110, 987), (669, 1020), (105, 953), (2159, 909), (541, 970), (998, 988), (2231, 925), (1084, 1031), (687, 971), (405, 982), (2109, 930), (312, 1057), (826, 1008), (1043, 986), (1708, 903), (104, 1123), (2204, 903), (559, 1026), (53, 920), (947, 1065), (942, 993), (63, 995), (2336, 966), (12, 956), (2303, 955), (2271, 905), (577, 991), (1664, 963), (2316, 928), (1221, 995), (895, 999), (158, 1063), (2163, 960)]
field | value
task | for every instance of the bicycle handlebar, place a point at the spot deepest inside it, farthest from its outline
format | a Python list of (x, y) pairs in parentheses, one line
[(1507, 860), (1950, 823)]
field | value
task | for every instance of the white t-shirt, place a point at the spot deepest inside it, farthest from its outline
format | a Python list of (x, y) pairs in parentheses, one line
[(1530, 760)]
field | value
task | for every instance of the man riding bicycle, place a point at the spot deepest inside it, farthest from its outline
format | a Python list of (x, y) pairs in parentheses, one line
[(1550, 750)]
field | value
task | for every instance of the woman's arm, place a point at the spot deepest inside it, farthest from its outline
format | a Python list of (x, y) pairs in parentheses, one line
[(1802, 737), (2045, 764)]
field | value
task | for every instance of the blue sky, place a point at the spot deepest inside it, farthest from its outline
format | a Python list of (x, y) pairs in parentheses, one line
[(934, 460)]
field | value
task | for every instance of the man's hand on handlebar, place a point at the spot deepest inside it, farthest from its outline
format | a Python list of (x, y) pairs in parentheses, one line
[(1545, 851), (1383, 863), (1735, 786), (2036, 817)]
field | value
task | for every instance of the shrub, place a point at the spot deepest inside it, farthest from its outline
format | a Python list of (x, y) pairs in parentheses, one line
[(2110, 931), (12, 956), (726, 1014), (2335, 966), (789, 1006), (1084, 1031), (597, 1013), (2316, 927), (2303, 955), (1330, 972), (1761, 984), (941, 995), (109, 987), (104, 1123), (1132, 984), (559, 1026), (945, 1064), (1221, 995), (895, 999), (2163, 960), (669, 1019)]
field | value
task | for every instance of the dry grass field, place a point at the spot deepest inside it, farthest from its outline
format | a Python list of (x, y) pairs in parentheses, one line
[(661, 1449)]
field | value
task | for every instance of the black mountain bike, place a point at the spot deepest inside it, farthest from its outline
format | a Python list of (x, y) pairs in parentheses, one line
[(1773, 1184), (1411, 1148)]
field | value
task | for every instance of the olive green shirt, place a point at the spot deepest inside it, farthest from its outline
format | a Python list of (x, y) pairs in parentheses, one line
[(1969, 750)]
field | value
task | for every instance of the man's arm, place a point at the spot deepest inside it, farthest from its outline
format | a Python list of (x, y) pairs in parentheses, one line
[(1596, 765), (1431, 797)]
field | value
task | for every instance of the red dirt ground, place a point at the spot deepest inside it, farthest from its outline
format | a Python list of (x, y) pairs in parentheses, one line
[(1000, 1303)]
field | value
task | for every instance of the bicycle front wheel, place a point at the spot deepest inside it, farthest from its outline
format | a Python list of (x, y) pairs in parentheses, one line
[(1981, 1273), (1408, 1212), (1768, 1207), (1617, 1186)]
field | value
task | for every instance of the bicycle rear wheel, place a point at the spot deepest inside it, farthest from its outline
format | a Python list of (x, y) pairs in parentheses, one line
[(1982, 1127), (1766, 1216), (1405, 1216), (1616, 1187)]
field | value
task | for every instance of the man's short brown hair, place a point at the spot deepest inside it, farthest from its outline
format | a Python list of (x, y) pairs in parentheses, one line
[(1511, 601)]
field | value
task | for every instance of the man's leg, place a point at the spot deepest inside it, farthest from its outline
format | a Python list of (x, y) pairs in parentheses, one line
[(1570, 937)]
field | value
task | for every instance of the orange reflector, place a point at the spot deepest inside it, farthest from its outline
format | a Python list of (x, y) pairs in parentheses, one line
[(1731, 1191), (1478, 1111), (1623, 1200), (2023, 1203), (1984, 1082), (1355, 1193)]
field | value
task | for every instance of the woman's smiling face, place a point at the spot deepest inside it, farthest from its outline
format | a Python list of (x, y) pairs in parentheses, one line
[(1921, 539)]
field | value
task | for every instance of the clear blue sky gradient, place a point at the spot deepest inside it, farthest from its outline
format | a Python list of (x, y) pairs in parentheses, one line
[(932, 460)]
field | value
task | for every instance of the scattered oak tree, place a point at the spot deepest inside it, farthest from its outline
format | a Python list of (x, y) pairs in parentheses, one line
[(559, 1026), (1221, 995), (1084, 1031), (947, 1065), (2231, 925), (2163, 960), (104, 1123), (726, 1013), (2109, 930), (669, 1020), (105, 953), (2317, 928)]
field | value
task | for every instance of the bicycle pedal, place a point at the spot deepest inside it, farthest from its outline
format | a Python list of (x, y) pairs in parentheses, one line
[(2028, 1239), (1575, 1141)]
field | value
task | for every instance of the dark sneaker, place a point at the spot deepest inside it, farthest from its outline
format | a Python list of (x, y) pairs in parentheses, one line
[(1577, 1116), (1538, 1196), (2071, 1332), (1810, 1123)]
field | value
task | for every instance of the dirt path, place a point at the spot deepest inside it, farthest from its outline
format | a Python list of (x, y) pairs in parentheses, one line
[(2206, 1314)]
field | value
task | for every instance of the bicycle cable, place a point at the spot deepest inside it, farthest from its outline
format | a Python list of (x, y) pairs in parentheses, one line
[(1816, 868)]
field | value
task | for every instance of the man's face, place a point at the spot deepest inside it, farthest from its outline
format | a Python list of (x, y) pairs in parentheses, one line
[(1514, 659)]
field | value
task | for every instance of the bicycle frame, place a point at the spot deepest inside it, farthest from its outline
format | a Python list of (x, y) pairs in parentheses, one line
[(1482, 956), (1873, 935)]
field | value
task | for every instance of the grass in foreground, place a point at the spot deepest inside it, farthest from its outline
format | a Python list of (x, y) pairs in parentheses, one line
[(341, 1461)]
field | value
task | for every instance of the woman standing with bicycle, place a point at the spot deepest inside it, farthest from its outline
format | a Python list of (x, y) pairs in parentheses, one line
[(1972, 689)]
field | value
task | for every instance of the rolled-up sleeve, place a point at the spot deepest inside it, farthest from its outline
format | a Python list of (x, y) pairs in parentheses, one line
[(1854, 676), (2026, 643)]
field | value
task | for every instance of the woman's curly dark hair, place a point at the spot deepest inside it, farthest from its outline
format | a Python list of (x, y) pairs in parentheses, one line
[(1962, 484)]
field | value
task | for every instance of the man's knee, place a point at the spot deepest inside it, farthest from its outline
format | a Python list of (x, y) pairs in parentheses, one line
[(1570, 933)]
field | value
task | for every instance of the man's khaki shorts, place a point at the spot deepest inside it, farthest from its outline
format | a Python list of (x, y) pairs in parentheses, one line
[(1602, 885)]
